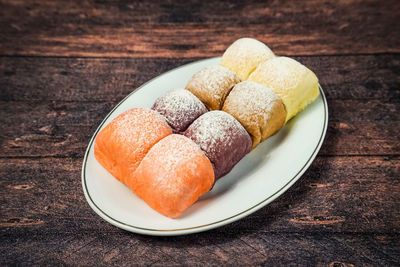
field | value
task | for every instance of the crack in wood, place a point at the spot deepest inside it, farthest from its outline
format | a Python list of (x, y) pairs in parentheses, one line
[(17, 222), (318, 219)]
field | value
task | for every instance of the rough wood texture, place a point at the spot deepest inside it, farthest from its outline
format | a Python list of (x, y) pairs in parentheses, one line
[(65, 64), (311, 220), (100, 248), (63, 129), (372, 77), (129, 29), (314, 204)]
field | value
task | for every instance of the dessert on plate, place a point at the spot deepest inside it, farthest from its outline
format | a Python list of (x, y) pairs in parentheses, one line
[(257, 108), (180, 108), (244, 55), (181, 174), (123, 143), (173, 153), (212, 84), (222, 138), (293, 82)]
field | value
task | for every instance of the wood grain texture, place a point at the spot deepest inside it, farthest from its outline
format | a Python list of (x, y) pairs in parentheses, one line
[(65, 64), (331, 212), (99, 248), (332, 196), (196, 28), (72, 96), (63, 129), (372, 77)]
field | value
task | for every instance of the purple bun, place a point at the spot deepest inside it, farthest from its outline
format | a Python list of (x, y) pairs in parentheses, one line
[(180, 108), (223, 139)]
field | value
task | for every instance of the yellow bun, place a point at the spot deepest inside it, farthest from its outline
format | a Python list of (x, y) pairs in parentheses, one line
[(244, 55), (212, 84), (257, 108), (294, 83)]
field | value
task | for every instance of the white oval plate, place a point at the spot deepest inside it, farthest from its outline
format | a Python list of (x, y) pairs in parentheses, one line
[(258, 179)]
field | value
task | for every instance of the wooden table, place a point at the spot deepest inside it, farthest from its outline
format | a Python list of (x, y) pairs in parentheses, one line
[(65, 64)]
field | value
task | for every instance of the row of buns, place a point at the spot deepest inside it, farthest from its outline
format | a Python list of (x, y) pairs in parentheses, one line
[(261, 90), (173, 153)]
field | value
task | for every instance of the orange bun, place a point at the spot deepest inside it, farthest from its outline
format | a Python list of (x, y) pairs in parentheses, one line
[(123, 143), (172, 176)]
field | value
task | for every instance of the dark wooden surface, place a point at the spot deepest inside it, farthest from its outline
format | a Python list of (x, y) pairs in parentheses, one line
[(65, 64)]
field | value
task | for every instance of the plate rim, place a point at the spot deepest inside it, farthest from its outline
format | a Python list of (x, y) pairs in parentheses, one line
[(204, 227)]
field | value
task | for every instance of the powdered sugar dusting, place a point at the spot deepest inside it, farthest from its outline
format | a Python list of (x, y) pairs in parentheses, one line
[(213, 127), (250, 99), (180, 108), (244, 55), (214, 82), (221, 137), (281, 72), (126, 125), (136, 130), (296, 85), (172, 151)]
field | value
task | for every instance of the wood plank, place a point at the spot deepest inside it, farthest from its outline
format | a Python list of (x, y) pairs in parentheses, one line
[(63, 69), (199, 29), (100, 248), (63, 129), (337, 194), (71, 79)]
